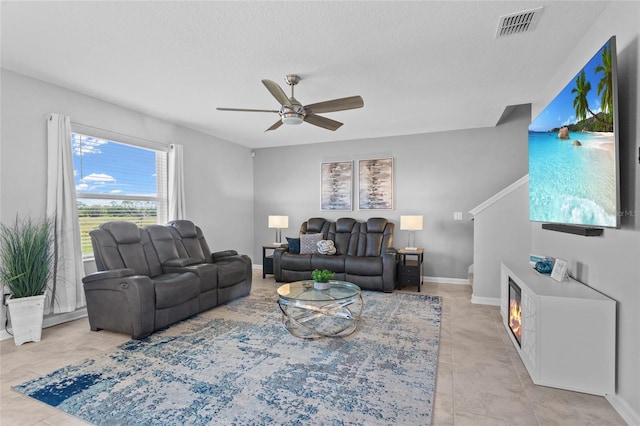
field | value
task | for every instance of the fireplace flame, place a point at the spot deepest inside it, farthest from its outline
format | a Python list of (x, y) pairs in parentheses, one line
[(515, 318)]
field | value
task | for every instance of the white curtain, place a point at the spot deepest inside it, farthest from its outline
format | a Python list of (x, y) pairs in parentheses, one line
[(65, 293), (177, 205)]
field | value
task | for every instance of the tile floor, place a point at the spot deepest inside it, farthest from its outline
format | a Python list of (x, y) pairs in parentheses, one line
[(481, 380)]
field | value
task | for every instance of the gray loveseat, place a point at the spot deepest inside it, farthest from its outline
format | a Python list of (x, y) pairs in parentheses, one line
[(149, 278), (364, 253)]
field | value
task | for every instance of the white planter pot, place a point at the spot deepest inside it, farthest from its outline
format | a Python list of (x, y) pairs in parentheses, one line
[(321, 286), (26, 315)]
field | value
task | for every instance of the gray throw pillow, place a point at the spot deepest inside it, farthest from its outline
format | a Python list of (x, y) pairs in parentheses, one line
[(308, 243)]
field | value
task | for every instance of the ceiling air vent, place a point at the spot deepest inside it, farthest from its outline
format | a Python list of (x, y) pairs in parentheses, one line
[(518, 22)]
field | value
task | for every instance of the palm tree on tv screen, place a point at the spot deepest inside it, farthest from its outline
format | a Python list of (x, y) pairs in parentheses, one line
[(605, 86), (605, 91), (580, 102)]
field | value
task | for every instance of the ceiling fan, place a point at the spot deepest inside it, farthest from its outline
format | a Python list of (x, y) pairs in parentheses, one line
[(292, 112)]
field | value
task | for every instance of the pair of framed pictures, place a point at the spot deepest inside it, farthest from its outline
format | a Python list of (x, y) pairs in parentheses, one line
[(375, 185)]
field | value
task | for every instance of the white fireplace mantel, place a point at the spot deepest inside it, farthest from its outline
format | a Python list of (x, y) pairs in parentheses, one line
[(568, 331)]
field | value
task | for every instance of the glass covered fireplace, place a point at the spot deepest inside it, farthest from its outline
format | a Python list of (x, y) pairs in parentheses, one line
[(515, 311)]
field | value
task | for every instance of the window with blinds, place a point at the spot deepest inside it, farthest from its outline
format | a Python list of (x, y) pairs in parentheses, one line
[(117, 181)]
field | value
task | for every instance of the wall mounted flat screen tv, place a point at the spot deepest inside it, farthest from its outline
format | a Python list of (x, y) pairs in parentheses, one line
[(573, 149)]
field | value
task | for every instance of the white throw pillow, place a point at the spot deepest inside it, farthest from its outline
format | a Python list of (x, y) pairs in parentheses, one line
[(326, 247)]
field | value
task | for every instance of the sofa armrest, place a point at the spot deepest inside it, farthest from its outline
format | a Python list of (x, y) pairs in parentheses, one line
[(229, 256), (104, 275), (238, 258), (224, 253), (187, 261), (125, 304), (277, 262), (389, 271)]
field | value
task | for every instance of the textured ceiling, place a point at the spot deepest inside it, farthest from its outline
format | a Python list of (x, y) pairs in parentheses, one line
[(420, 66)]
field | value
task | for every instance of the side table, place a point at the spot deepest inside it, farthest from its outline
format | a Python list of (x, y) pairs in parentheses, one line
[(267, 259), (410, 271)]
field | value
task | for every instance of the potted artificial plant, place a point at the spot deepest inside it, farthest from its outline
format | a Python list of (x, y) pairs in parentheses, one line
[(27, 261), (321, 278)]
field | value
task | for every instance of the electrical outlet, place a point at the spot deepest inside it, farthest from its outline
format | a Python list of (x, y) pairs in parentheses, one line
[(457, 215)]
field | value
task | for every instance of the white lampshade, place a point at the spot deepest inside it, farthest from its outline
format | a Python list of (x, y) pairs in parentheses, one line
[(279, 222), (411, 223)]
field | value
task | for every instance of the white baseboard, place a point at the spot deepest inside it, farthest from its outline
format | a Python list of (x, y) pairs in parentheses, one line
[(622, 407), (57, 319), (444, 280), (52, 320), (493, 301)]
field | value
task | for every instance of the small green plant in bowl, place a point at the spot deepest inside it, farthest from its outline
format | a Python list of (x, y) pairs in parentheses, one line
[(321, 278)]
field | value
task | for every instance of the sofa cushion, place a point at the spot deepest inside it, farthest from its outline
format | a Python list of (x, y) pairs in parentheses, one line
[(309, 243), (231, 272), (357, 265), (123, 232), (296, 262), (376, 224), (190, 241), (332, 263), (118, 245), (315, 225), (163, 243), (376, 234), (294, 245), (185, 228), (175, 289)]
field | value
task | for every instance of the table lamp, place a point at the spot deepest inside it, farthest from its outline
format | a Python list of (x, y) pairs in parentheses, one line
[(411, 224), (278, 222)]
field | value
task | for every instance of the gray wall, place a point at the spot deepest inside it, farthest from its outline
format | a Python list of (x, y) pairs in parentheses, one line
[(611, 263), (218, 174), (435, 175)]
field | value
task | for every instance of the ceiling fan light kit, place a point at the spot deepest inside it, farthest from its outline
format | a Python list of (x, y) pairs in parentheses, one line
[(291, 117), (292, 112)]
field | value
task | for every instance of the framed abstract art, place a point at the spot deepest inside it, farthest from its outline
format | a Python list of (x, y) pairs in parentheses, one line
[(336, 186), (375, 184)]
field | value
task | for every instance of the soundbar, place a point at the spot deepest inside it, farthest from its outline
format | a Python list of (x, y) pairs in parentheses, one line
[(573, 229)]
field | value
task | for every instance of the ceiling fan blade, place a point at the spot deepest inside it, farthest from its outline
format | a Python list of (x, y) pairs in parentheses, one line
[(247, 110), (341, 104), (275, 125), (324, 122), (277, 92)]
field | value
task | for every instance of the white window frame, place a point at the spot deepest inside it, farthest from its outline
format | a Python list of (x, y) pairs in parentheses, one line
[(161, 200)]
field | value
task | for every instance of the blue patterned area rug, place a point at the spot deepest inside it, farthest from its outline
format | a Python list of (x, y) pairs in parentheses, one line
[(238, 365)]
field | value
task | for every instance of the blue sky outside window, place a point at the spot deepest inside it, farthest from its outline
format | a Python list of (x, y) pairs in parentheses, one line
[(107, 167)]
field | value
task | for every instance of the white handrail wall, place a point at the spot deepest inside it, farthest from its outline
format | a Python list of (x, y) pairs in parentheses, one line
[(501, 232)]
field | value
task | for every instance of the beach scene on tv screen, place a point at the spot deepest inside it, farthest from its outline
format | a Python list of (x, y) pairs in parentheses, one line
[(572, 161)]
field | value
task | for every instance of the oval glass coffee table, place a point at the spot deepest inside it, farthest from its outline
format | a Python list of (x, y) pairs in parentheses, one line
[(309, 313)]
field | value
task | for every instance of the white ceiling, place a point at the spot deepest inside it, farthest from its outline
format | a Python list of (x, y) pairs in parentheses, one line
[(420, 66)]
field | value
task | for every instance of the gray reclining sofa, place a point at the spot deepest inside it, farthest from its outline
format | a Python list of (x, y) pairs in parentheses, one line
[(364, 253), (149, 278)]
